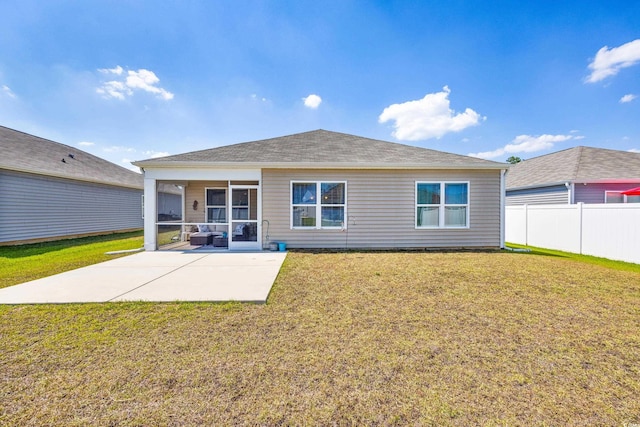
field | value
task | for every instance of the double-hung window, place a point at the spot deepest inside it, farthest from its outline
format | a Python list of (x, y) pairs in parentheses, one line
[(216, 199), (442, 204), (317, 205)]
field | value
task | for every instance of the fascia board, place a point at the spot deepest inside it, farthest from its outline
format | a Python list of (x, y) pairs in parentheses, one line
[(546, 184), (73, 178), (251, 165)]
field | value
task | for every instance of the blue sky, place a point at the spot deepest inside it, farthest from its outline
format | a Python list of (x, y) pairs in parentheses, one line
[(138, 79)]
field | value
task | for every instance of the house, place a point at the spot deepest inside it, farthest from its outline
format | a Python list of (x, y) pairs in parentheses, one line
[(323, 189), (51, 191), (574, 175)]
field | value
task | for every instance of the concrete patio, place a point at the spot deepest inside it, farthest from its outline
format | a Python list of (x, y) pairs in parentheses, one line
[(158, 276)]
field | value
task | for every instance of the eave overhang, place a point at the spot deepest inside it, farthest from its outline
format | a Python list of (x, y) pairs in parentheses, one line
[(579, 181), (150, 164), (73, 178)]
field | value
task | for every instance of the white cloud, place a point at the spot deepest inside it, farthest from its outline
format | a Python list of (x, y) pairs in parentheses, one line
[(634, 150), (7, 91), (146, 80), (526, 144), (118, 149), (114, 89), (86, 144), (429, 117), (143, 80), (312, 101), (118, 70), (609, 61), (628, 98), (155, 154)]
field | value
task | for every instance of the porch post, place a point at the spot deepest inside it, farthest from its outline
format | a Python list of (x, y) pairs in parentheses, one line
[(150, 214)]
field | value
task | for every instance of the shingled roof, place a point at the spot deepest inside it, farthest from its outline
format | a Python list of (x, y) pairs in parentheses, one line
[(22, 152), (321, 149), (578, 164)]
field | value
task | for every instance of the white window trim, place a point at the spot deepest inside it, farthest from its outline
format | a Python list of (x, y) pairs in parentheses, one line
[(441, 206), (318, 206), (207, 206)]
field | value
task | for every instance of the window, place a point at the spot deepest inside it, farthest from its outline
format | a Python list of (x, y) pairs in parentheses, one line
[(613, 197), (240, 204), (618, 197), (216, 199), (318, 204), (442, 204)]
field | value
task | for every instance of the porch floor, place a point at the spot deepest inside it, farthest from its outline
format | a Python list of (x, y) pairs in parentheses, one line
[(160, 276)]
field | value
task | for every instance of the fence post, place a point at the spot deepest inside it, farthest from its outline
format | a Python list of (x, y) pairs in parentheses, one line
[(526, 224), (580, 229)]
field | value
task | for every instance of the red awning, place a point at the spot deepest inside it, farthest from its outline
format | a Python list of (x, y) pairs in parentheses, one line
[(632, 192)]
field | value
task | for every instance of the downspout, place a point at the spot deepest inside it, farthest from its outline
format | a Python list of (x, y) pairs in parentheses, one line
[(502, 207), (571, 192)]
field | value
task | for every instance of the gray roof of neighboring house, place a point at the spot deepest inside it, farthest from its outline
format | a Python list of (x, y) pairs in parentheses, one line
[(577, 164), (321, 149), (22, 152)]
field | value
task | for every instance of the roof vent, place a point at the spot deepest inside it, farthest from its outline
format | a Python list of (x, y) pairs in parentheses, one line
[(63, 160), (72, 156)]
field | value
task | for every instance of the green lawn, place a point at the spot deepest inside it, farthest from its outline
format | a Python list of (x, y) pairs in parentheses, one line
[(23, 263), (604, 262), (412, 338)]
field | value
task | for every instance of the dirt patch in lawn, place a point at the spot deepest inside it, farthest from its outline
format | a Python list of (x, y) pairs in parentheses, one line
[(345, 339)]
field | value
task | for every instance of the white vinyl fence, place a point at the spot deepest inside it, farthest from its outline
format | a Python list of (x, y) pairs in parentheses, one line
[(604, 230)]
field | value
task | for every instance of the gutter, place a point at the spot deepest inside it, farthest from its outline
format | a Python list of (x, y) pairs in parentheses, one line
[(308, 165), (528, 187), (573, 182), (74, 178)]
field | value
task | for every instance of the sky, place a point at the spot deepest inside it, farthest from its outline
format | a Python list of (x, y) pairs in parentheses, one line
[(132, 80)]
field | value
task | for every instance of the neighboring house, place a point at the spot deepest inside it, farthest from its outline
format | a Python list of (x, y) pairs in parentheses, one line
[(574, 175), (51, 191), (324, 189)]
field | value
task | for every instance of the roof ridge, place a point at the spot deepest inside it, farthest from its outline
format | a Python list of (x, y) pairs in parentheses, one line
[(297, 134), (578, 164), (322, 147)]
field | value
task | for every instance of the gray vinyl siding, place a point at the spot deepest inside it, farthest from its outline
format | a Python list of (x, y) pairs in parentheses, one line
[(594, 193), (553, 195), (381, 210), (41, 207)]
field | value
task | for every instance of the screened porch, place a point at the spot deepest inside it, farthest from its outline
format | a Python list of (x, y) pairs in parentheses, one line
[(213, 215)]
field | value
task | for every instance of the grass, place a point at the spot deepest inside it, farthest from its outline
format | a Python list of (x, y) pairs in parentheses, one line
[(23, 263), (168, 234), (345, 339), (604, 262)]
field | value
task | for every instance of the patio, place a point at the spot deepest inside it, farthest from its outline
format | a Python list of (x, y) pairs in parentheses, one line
[(158, 276)]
